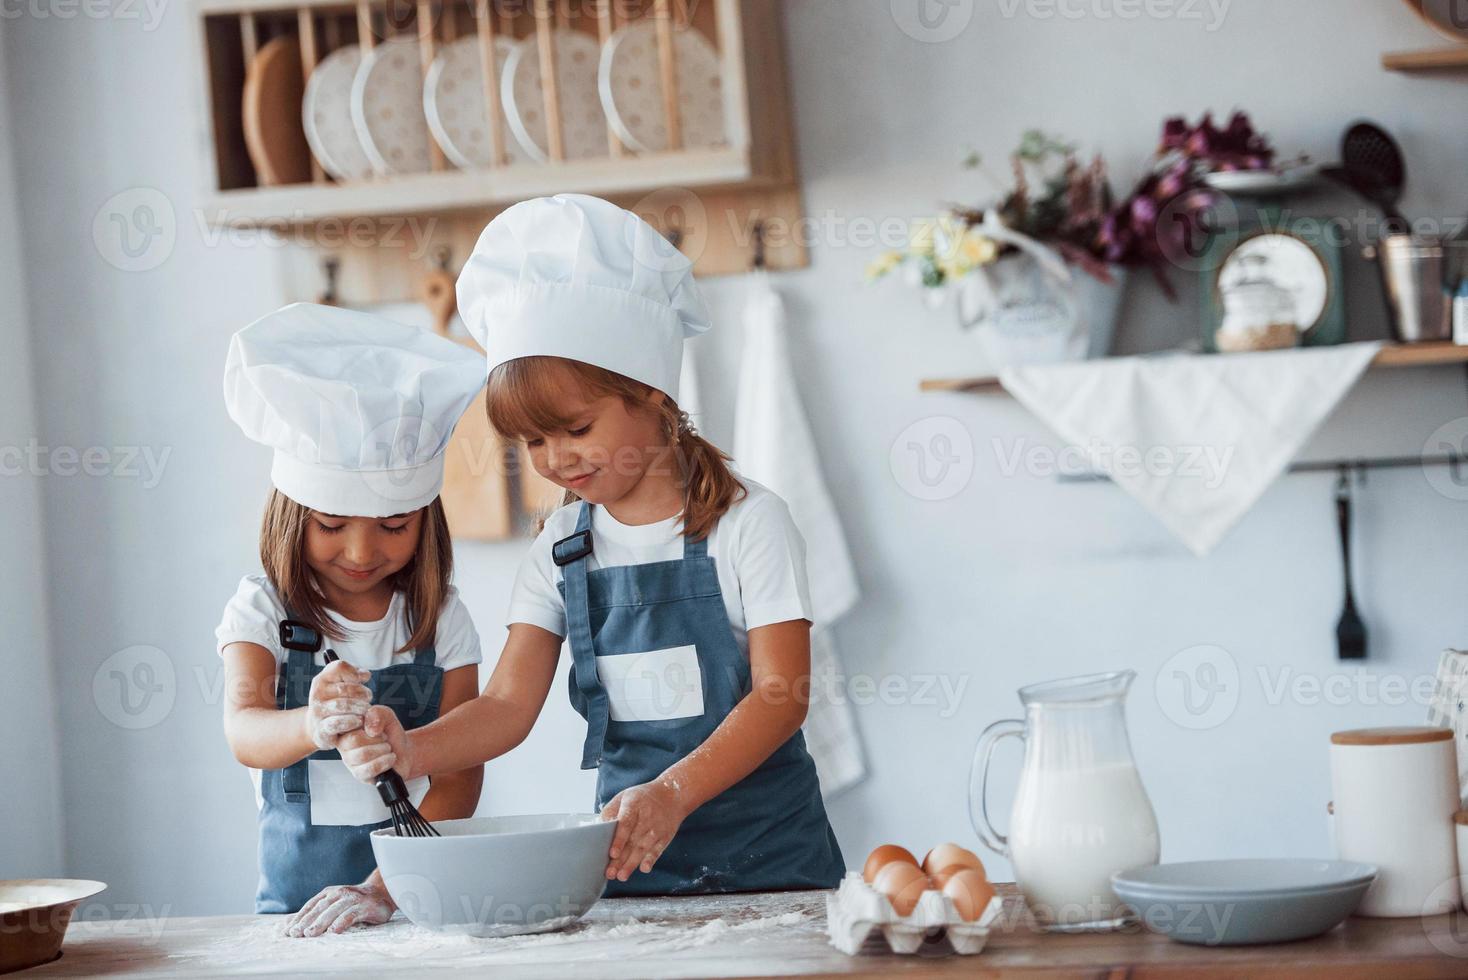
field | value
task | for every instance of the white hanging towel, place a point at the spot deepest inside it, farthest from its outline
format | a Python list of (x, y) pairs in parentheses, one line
[(1195, 439), (773, 445), (689, 395)]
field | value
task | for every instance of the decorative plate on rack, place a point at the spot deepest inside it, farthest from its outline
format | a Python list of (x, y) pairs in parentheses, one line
[(630, 82), (583, 123), (454, 102), (387, 108), (326, 114)]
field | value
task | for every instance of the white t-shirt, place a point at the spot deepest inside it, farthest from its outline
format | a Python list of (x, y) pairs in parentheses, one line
[(255, 612), (254, 615), (758, 551)]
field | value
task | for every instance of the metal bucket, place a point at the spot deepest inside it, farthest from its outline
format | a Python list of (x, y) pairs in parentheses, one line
[(1419, 276)]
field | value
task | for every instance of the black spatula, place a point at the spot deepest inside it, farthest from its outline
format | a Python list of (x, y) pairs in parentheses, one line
[(1350, 631)]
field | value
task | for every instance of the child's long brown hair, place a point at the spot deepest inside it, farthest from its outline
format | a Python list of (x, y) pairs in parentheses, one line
[(424, 581), (525, 398)]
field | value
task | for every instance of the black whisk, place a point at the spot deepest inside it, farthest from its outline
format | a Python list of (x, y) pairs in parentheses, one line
[(406, 820)]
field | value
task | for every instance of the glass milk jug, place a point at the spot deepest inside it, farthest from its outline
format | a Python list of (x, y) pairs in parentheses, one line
[(1080, 813)]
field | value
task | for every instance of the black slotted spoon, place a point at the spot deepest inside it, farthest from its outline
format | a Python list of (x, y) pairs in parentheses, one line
[(1372, 165), (1350, 631), (406, 820)]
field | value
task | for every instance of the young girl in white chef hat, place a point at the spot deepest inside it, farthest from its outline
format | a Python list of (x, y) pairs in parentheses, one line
[(357, 558), (680, 586)]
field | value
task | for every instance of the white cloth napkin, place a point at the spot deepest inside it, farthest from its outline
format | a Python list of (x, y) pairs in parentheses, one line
[(773, 444), (1196, 439)]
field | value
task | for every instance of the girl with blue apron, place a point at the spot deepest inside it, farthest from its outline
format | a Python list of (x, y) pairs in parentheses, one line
[(357, 411), (769, 830), (299, 858)]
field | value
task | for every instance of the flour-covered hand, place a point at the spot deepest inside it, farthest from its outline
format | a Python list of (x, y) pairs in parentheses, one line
[(337, 702), (339, 907), (648, 816), (379, 745)]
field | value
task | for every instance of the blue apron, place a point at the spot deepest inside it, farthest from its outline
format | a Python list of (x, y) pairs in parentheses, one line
[(298, 859), (769, 830)]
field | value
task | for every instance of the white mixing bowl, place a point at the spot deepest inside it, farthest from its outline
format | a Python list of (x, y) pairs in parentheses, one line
[(498, 876)]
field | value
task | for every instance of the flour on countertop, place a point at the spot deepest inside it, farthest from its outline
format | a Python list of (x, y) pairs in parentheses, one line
[(266, 942)]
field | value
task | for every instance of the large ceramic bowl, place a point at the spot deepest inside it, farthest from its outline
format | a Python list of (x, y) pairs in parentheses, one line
[(498, 876), (1258, 900), (34, 914)]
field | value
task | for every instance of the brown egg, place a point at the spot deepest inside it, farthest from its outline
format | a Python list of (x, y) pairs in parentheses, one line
[(903, 884), (946, 856), (970, 892), (941, 878), (883, 856)]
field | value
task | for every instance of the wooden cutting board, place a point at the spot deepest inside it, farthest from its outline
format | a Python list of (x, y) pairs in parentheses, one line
[(274, 86), (476, 485)]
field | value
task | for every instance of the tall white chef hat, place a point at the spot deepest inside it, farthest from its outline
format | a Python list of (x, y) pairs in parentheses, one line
[(358, 409), (578, 277)]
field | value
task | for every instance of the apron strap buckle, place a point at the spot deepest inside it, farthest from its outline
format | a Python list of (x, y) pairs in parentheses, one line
[(571, 548), (296, 635)]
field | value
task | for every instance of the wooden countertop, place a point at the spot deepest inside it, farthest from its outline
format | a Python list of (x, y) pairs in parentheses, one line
[(772, 934)]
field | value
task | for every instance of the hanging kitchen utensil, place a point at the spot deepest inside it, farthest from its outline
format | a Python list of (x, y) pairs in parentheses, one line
[(331, 268), (406, 820), (476, 492), (1350, 631), (271, 110), (1372, 166)]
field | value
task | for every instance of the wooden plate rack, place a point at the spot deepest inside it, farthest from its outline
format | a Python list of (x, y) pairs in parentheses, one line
[(722, 205)]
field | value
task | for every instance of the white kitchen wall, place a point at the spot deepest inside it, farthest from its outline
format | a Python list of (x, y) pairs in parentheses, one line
[(1015, 579), (32, 843)]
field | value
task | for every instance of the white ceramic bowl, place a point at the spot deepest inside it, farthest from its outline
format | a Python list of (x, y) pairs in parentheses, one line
[(498, 876), (1254, 900)]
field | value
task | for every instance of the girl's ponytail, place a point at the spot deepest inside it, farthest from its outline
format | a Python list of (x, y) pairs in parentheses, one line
[(709, 485)]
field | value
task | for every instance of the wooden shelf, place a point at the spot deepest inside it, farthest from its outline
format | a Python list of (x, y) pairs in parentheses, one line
[(471, 190), (1451, 58), (1396, 356), (724, 203)]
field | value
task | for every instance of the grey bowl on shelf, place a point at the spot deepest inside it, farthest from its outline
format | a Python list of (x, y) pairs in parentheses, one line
[(1246, 901), (498, 876)]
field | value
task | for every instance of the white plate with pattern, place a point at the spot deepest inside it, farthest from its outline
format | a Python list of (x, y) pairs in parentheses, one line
[(454, 103), (387, 108), (583, 123), (630, 83), (326, 115)]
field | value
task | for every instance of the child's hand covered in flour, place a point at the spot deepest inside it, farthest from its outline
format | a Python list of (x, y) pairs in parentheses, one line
[(379, 745), (648, 816), (337, 702), (339, 907)]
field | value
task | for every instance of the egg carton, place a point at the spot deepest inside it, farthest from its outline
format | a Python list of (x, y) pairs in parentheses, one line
[(856, 910)]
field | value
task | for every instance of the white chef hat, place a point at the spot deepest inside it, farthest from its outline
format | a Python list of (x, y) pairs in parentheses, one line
[(358, 409), (578, 277)]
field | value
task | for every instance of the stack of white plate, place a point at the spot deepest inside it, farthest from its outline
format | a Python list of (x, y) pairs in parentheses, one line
[(374, 114)]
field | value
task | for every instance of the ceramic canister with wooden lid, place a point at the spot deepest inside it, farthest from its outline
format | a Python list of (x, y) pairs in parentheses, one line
[(1395, 793)]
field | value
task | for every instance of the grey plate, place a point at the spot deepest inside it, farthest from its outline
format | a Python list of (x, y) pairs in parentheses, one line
[(1256, 900), (498, 876)]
